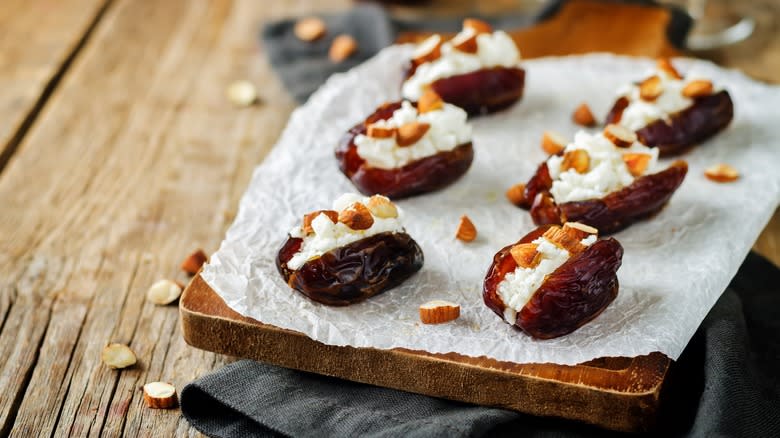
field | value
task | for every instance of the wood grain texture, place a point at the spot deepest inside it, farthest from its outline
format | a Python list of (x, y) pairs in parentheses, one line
[(614, 393)]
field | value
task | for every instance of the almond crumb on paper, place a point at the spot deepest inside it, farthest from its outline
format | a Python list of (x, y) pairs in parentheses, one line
[(721, 173), (438, 312), (516, 194), (553, 143), (466, 232), (583, 116)]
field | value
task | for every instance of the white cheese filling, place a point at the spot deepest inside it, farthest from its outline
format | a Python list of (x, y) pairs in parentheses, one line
[(640, 113), (328, 236), (517, 287), (448, 129), (607, 172), (495, 49)]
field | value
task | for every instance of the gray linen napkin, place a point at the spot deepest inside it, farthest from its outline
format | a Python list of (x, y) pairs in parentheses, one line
[(727, 383)]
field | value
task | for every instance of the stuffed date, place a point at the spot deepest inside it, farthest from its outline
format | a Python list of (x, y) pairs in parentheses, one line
[(478, 70), (404, 148), (672, 113), (353, 252), (605, 180), (554, 280)]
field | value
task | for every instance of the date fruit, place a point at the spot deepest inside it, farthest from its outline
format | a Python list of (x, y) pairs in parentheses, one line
[(707, 116), (574, 294), (420, 176), (352, 272), (615, 211)]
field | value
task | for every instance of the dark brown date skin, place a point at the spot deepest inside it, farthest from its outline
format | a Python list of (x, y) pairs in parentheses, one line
[(420, 176), (615, 211), (706, 117), (353, 272), (574, 294), (480, 92)]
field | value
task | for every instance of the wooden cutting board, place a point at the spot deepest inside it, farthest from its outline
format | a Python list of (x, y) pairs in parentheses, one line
[(615, 393)]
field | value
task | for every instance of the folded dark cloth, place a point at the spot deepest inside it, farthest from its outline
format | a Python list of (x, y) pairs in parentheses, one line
[(727, 383), (303, 67)]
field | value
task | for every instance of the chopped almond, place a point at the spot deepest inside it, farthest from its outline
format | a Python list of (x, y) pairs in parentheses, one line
[(357, 217), (429, 50), (410, 133), (439, 311), (578, 159), (579, 230), (342, 47), (429, 101), (466, 43), (309, 29), (651, 88), (697, 88), (553, 143), (382, 207), (516, 194), (375, 131), (160, 395), (242, 93), (721, 173), (308, 218), (564, 239), (526, 255), (478, 26), (583, 116), (664, 64), (118, 356), (194, 262), (619, 135), (164, 292), (636, 163), (467, 232)]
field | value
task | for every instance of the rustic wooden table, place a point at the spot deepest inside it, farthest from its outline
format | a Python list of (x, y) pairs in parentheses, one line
[(119, 154)]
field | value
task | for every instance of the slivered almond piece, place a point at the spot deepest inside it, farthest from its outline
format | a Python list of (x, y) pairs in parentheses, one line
[(578, 159), (241, 93), (526, 255), (583, 116), (564, 239), (516, 194), (579, 230), (466, 43), (619, 135), (308, 218), (342, 47), (382, 207), (163, 292), (478, 26), (429, 101), (664, 64), (410, 133), (553, 143), (117, 356), (721, 173), (194, 262), (429, 50), (375, 131), (651, 88), (636, 163), (467, 232), (160, 395), (439, 311), (309, 29), (357, 217), (697, 88)]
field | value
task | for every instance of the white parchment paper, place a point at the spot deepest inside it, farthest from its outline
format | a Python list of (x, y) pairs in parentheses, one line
[(675, 265)]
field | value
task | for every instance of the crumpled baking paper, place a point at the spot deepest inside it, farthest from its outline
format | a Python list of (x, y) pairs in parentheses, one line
[(675, 266)]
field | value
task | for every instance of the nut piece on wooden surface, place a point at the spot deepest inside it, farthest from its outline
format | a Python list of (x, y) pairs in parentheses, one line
[(553, 143), (192, 264), (516, 194), (636, 163), (651, 88), (578, 159), (721, 173), (583, 116), (160, 395), (439, 311), (309, 29), (619, 135), (357, 217), (467, 232), (429, 101), (164, 292), (697, 88), (342, 47), (526, 255), (382, 207), (118, 356), (410, 133), (241, 93)]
